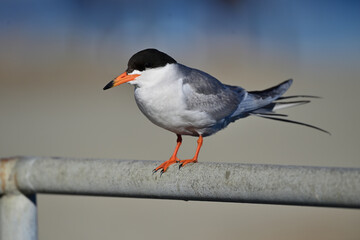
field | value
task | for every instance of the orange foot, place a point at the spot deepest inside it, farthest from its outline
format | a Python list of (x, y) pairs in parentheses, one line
[(184, 162), (174, 159), (165, 165)]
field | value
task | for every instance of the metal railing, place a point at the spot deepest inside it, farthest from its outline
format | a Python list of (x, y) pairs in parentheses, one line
[(21, 178)]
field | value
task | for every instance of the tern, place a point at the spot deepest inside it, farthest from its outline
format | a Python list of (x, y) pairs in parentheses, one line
[(187, 101)]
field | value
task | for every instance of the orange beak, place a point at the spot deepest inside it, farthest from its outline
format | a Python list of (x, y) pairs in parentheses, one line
[(122, 78)]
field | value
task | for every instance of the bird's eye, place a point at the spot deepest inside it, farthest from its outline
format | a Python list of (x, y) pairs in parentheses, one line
[(147, 65)]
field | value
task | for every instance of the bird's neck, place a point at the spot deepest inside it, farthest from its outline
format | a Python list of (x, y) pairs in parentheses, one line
[(158, 76)]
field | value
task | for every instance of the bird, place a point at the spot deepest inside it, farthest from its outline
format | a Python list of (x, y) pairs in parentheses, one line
[(188, 101)]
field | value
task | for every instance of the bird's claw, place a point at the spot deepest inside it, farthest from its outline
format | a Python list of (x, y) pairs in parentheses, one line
[(165, 165), (161, 172), (184, 162)]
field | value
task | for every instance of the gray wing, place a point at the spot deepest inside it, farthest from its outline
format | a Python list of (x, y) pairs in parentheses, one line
[(207, 94)]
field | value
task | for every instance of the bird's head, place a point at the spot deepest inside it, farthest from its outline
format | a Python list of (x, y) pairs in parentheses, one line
[(139, 63)]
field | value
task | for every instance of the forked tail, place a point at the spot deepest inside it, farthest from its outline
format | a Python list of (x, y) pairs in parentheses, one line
[(265, 103)]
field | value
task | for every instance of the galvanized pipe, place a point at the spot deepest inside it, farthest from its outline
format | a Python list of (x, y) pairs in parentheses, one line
[(225, 182), (18, 213), (18, 217)]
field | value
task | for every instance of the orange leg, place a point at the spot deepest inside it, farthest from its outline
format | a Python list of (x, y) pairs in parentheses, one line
[(194, 159), (173, 159)]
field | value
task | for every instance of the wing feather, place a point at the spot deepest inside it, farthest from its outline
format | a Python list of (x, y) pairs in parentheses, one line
[(207, 94)]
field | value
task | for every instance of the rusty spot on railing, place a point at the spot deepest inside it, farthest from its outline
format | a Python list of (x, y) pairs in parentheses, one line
[(3, 179)]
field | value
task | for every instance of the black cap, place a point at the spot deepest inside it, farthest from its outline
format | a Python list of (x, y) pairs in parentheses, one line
[(148, 58)]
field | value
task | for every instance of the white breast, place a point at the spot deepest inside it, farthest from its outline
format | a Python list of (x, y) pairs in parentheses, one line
[(160, 97)]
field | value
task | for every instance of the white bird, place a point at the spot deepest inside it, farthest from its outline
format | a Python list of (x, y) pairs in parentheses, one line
[(187, 101)]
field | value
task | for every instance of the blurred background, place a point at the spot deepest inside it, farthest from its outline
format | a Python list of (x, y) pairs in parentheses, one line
[(56, 56)]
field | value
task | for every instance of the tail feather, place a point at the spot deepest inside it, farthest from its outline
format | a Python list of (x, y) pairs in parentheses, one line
[(292, 121), (273, 92), (255, 100), (282, 105), (268, 111), (265, 103), (297, 96)]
